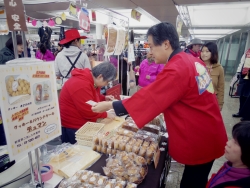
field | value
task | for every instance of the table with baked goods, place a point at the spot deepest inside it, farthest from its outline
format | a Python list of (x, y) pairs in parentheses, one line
[(124, 162)]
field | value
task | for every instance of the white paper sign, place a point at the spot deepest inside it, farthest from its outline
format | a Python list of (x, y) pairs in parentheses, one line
[(131, 54), (29, 105)]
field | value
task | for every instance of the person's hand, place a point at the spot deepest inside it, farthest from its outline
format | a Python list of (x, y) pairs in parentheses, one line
[(137, 67), (109, 98), (102, 107), (111, 115), (148, 77), (126, 59)]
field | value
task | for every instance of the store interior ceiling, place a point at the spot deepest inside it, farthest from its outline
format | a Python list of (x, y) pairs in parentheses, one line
[(205, 19)]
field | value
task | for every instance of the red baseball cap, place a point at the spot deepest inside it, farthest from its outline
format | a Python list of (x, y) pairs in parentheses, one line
[(70, 35)]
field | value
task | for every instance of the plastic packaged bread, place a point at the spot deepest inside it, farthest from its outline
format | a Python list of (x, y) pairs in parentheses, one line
[(93, 178), (152, 128), (120, 184), (131, 185), (130, 126)]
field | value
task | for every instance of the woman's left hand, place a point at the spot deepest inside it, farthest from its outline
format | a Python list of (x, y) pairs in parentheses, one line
[(102, 107), (109, 98)]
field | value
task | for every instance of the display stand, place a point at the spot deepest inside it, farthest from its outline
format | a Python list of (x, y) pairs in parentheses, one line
[(33, 183)]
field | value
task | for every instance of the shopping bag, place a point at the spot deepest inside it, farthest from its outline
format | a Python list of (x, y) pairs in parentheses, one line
[(233, 86)]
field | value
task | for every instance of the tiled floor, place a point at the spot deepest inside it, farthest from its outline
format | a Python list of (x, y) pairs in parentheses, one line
[(231, 106)]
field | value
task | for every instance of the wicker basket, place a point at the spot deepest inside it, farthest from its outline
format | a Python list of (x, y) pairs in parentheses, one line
[(84, 135)]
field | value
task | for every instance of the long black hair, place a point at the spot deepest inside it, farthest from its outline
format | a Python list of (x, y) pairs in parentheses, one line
[(9, 43), (241, 133)]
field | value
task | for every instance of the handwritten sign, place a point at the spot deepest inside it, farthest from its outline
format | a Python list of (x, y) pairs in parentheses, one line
[(15, 15), (29, 106)]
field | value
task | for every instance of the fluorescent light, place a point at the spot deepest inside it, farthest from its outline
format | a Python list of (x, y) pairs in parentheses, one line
[(230, 14), (140, 31), (212, 31), (209, 36)]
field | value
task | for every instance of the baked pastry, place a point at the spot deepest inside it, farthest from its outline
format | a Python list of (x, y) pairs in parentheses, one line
[(121, 178), (102, 181), (128, 148), (104, 150), (131, 185), (140, 161), (93, 178), (135, 149), (145, 144), (85, 176), (120, 184), (107, 171), (142, 151), (133, 179), (133, 170), (142, 172)]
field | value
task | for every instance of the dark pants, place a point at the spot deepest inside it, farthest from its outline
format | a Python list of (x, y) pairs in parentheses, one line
[(245, 109), (68, 135), (242, 103), (196, 176)]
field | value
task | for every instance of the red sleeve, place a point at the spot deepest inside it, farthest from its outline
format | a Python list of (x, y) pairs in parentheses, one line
[(102, 97), (80, 98), (168, 88)]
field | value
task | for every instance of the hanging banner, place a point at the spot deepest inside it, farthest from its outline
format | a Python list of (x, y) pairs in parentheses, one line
[(84, 22), (73, 9), (29, 104), (120, 42), (136, 15), (15, 15), (93, 15), (112, 38), (131, 54), (179, 24)]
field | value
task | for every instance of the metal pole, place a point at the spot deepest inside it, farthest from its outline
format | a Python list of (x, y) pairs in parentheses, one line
[(38, 168), (14, 44), (25, 48), (31, 168)]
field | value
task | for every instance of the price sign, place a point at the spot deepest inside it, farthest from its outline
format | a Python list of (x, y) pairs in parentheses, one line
[(29, 105)]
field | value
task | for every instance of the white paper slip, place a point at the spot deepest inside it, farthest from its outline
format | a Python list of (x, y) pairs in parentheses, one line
[(91, 103)]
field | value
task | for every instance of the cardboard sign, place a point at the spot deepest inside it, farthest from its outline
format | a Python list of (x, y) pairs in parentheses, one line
[(115, 91), (29, 105), (15, 15)]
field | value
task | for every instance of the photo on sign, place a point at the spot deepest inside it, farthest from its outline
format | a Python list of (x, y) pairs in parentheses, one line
[(42, 92), (18, 88)]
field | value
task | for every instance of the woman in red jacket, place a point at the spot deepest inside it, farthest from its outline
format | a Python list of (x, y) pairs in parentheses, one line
[(235, 173), (84, 85)]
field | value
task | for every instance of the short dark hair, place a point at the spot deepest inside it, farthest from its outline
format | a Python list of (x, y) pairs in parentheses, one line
[(241, 133), (67, 45), (43, 48), (9, 43), (212, 47), (106, 69), (164, 31)]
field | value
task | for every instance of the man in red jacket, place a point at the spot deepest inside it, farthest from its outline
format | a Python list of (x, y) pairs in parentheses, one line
[(184, 93), (84, 85)]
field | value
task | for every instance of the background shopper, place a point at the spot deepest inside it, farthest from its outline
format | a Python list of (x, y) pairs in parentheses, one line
[(243, 89), (183, 92), (71, 56), (209, 54), (44, 54), (148, 70), (193, 48), (236, 171), (7, 53)]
